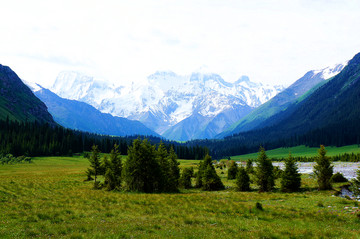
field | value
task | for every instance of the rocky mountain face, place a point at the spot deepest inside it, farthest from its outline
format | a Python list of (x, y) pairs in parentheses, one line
[(177, 107), (295, 92), (17, 102)]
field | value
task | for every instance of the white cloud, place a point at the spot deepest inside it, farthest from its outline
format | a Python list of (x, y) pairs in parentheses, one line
[(270, 41)]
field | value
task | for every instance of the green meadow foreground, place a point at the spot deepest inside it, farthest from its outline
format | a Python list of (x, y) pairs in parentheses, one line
[(48, 198)]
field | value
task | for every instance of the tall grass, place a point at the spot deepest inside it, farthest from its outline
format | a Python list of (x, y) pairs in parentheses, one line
[(49, 199)]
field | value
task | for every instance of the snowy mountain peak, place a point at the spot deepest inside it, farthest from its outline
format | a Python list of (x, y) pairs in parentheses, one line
[(77, 86), (165, 98), (331, 71), (242, 79)]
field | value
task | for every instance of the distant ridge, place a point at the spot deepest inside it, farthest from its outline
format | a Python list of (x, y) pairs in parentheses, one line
[(81, 116)]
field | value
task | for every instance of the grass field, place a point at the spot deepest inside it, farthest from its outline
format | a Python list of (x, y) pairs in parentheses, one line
[(49, 199), (300, 151)]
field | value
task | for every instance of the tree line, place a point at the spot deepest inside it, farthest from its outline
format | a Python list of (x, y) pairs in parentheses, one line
[(341, 134), (36, 139), (346, 157)]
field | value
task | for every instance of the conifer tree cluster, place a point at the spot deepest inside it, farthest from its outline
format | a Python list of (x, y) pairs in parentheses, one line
[(150, 170), (207, 179), (147, 169)]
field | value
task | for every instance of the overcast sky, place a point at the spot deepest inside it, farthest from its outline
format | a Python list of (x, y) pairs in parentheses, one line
[(271, 41)]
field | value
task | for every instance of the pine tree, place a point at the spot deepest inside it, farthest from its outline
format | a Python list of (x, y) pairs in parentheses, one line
[(95, 164), (113, 169), (174, 172), (242, 180), (249, 166), (264, 172), (162, 159), (323, 169), (185, 179), (290, 178), (233, 169), (355, 184), (142, 171)]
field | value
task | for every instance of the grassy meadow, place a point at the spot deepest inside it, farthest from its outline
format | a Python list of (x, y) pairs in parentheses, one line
[(300, 151), (50, 199)]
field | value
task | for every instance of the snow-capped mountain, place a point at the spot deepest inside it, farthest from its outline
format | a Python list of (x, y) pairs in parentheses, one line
[(166, 99)]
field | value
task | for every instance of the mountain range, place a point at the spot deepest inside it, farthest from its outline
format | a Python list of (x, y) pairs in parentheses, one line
[(177, 107), (322, 106)]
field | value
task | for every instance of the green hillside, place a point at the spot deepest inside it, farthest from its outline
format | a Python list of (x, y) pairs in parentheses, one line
[(300, 151), (17, 102)]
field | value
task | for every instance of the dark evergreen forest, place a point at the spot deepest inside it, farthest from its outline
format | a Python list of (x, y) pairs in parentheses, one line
[(35, 139)]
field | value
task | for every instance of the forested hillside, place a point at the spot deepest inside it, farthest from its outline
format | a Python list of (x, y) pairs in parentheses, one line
[(17, 102), (329, 116), (35, 139), (295, 93)]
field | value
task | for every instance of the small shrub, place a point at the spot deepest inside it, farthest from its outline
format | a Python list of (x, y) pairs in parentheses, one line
[(338, 178), (337, 193), (259, 206)]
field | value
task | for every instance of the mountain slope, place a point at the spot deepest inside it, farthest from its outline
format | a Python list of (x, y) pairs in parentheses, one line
[(333, 103), (81, 116), (309, 82), (334, 106), (17, 101)]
